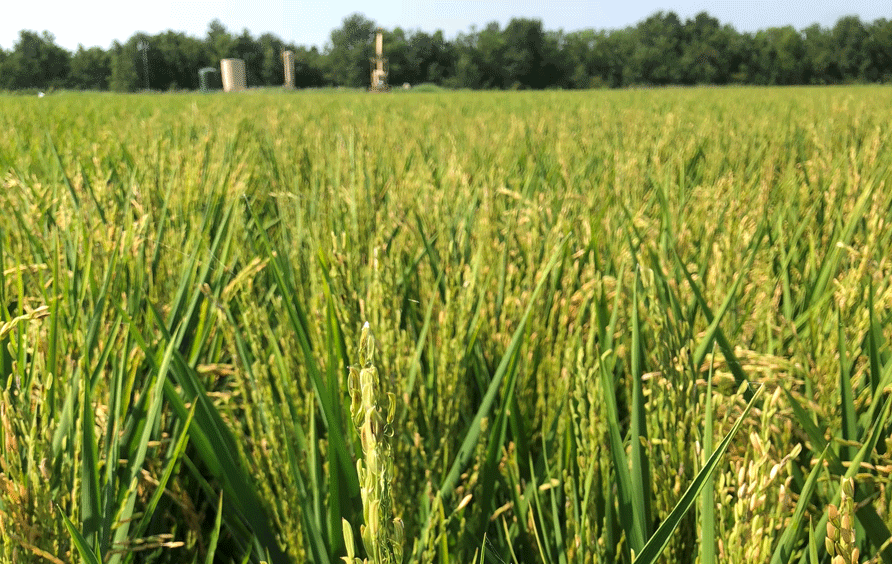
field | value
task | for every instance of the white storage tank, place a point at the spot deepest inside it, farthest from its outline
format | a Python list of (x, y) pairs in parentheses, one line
[(288, 57), (233, 74)]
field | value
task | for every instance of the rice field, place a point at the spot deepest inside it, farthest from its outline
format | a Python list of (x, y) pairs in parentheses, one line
[(614, 326)]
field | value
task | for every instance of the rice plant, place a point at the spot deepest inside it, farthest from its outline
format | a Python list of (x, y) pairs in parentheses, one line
[(622, 326)]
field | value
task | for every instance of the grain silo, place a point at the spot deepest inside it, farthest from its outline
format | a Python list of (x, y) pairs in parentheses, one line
[(379, 65), (288, 58), (233, 71), (208, 79)]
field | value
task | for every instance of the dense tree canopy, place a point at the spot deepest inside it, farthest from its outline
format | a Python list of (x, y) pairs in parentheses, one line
[(659, 50), (35, 62), (349, 52)]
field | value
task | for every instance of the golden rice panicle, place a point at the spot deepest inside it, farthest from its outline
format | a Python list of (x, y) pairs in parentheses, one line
[(372, 411), (840, 541)]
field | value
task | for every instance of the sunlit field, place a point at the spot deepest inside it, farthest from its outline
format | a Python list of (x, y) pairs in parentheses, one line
[(607, 326)]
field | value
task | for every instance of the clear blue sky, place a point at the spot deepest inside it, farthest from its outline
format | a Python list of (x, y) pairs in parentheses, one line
[(309, 22)]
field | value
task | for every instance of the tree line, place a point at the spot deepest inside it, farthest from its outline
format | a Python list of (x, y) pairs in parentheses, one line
[(660, 50)]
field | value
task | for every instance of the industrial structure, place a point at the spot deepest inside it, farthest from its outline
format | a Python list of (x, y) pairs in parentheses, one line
[(233, 71), (379, 65), (208, 79), (288, 59)]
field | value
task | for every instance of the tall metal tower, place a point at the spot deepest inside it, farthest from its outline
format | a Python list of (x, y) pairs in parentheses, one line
[(379, 65), (144, 47)]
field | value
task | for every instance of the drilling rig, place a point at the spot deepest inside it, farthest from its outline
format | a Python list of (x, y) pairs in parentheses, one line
[(379, 65)]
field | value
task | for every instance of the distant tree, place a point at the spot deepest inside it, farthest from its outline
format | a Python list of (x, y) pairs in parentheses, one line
[(194, 57), (55, 61), (175, 60), (780, 57), (349, 52), (396, 49), (431, 58), (90, 69), (659, 50), (37, 62), (489, 57), (713, 54), (821, 66), (309, 67), (248, 49), (703, 60), (878, 49), (5, 75), (556, 67), (733, 48), (849, 37), (219, 42), (165, 60), (659, 46), (420, 54), (585, 53), (272, 68), (123, 68), (619, 47), (522, 54), (467, 70)]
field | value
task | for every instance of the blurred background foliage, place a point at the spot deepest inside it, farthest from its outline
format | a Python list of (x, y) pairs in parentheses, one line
[(660, 50)]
